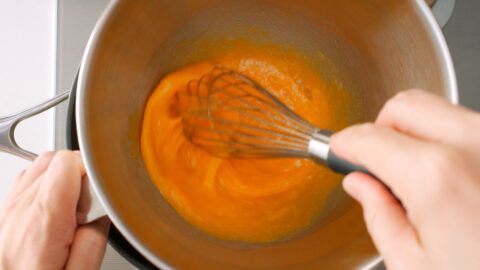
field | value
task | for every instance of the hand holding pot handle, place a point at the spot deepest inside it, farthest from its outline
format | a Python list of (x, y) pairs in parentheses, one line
[(39, 219), (91, 209)]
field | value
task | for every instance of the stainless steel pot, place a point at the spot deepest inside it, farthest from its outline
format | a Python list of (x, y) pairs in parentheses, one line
[(377, 48)]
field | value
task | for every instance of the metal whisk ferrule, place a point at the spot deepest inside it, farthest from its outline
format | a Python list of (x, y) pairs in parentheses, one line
[(319, 147)]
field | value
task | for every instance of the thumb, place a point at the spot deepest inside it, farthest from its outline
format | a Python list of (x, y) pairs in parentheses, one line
[(386, 219)]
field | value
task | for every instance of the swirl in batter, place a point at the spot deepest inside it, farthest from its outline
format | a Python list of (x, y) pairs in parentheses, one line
[(243, 200)]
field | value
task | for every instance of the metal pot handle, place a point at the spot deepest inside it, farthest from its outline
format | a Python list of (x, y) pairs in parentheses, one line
[(9, 123), (89, 207), (431, 2), (442, 10)]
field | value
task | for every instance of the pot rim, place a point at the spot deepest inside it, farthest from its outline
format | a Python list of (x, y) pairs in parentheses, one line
[(90, 53)]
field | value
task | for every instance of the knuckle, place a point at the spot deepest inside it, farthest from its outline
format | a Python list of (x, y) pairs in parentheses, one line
[(40, 207), (365, 129), (392, 107), (20, 175), (46, 215), (46, 156), (61, 158), (8, 207), (414, 92), (404, 95), (398, 101), (64, 155), (441, 173), (48, 153), (351, 134), (408, 95), (463, 130)]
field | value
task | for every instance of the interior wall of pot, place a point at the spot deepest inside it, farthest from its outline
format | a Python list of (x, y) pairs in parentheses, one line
[(374, 47)]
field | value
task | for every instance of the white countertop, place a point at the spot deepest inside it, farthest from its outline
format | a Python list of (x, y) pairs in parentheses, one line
[(27, 76)]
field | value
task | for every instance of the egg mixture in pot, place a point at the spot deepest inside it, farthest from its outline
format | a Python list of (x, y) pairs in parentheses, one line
[(259, 200)]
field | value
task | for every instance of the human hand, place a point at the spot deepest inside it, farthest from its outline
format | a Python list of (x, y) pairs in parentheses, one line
[(427, 152), (38, 219)]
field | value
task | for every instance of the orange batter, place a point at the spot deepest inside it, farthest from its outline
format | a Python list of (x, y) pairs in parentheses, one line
[(243, 200)]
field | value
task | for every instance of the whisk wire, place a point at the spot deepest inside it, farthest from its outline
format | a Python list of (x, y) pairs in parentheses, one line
[(275, 120), (237, 135), (233, 116), (294, 122)]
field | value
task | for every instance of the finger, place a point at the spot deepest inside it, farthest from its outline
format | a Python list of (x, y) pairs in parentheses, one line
[(38, 167), (88, 246), (27, 178), (60, 190), (388, 154), (14, 188), (391, 231), (430, 117)]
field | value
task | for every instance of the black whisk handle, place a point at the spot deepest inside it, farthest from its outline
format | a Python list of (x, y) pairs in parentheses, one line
[(320, 150), (342, 166)]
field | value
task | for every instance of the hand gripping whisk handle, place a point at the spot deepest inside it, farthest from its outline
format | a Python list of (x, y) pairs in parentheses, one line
[(319, 149)]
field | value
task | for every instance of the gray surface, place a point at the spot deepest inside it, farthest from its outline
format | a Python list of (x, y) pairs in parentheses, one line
[(463, 37), (75, 21)]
